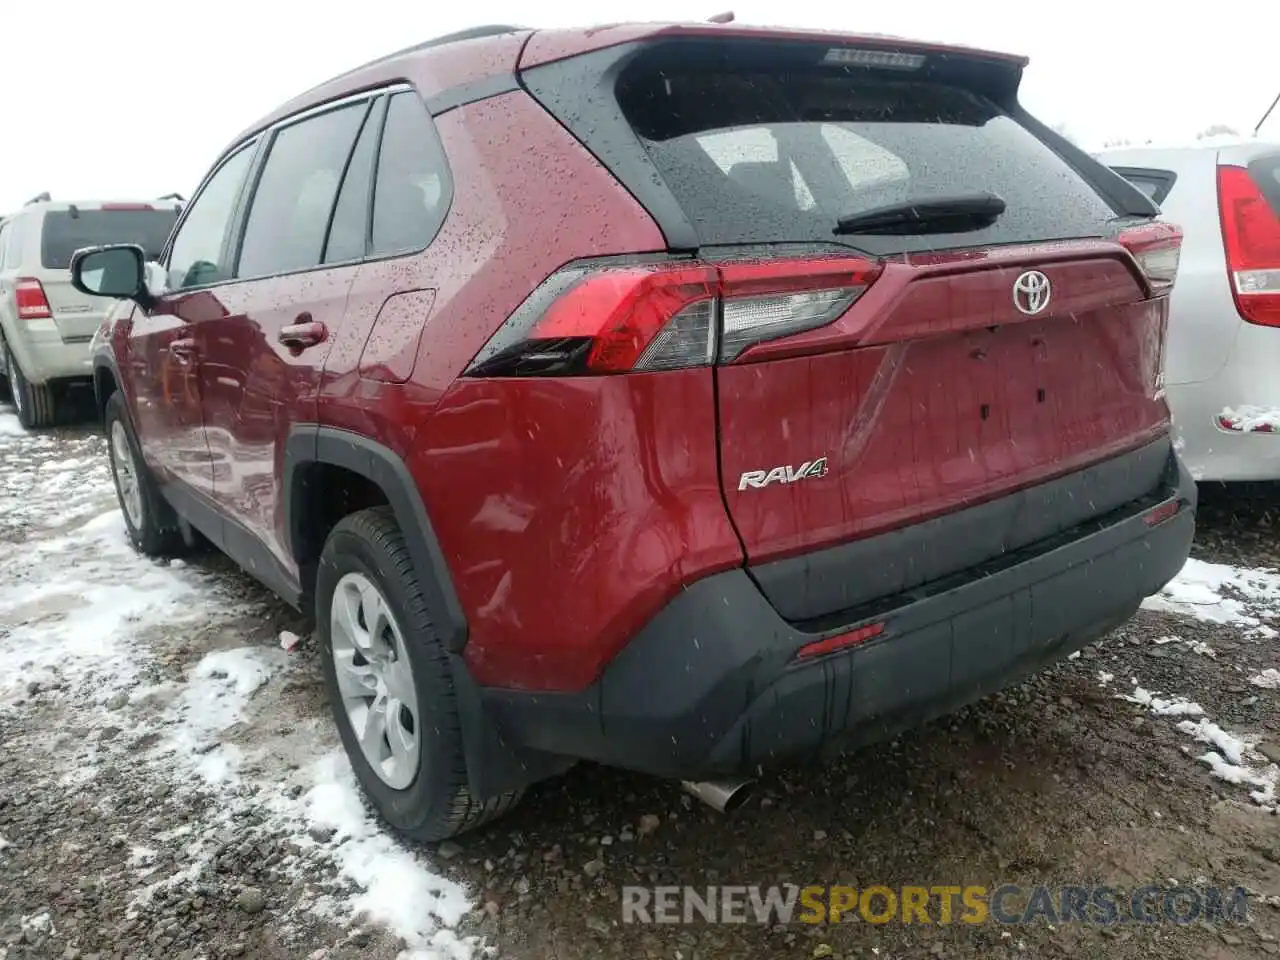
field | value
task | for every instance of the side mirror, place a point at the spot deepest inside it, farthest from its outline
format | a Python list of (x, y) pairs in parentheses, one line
[(116, 271)]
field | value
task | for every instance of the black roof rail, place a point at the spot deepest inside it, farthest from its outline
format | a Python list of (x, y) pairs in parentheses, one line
[(39, 198), (474, 33)]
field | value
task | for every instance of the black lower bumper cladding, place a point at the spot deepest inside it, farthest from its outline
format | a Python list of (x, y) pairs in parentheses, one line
[(712, 685)]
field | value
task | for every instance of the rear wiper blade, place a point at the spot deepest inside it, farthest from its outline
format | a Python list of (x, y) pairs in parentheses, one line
[(968, 211)]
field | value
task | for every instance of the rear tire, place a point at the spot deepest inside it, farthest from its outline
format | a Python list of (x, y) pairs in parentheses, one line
[(149, 520), (410, 760), (36, 403), (6, 392)]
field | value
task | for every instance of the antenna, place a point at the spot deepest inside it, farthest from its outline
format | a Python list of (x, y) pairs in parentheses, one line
[(1267, 114), (726, 17)]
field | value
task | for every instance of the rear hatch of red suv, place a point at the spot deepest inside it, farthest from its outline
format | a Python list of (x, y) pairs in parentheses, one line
[(915, 298)]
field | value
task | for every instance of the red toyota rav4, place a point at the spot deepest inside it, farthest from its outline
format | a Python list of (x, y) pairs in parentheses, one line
[(684, 398)]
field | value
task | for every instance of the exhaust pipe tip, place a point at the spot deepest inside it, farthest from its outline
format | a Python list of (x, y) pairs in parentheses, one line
[(723, 795)]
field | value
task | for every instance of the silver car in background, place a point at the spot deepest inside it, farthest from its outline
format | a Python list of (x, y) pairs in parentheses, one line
[(45, 324), (1222, 357)]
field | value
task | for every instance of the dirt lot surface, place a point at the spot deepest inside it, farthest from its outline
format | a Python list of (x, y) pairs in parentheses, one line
[(170, 784)]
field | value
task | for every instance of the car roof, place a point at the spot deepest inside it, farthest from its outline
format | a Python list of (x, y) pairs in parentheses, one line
[(1229, 148), (48, 206), (468, 56)]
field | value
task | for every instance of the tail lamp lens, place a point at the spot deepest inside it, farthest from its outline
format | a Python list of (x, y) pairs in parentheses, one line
[(1157, 247), (618, 319), (32, 304), (1251, 235)]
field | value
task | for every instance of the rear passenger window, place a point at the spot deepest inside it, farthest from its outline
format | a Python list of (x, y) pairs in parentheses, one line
[(412, 191), (349, 232), (296, 192), (196, 257)]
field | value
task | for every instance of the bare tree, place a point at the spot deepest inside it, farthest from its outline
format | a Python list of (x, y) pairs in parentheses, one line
[(1217, 130)]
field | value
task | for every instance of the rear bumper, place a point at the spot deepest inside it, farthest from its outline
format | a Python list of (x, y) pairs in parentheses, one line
[(43, 355), (711, 685)]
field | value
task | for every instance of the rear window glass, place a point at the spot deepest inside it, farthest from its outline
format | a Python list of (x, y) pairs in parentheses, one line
[(64, 232), (759, 157)]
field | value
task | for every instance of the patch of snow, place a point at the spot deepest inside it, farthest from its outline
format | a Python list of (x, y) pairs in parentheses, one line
[(1251, 419), (400, 889), (83, 618), (83, 627), (1227, 760), (214, 699), (289, 640), (1175, 707), (1104, 678), (1202, 590), (1268, 679), (9, 425)]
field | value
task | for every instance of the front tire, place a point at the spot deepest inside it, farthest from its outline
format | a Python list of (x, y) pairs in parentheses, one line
[(36, 403), (389, 683), (149, 520)]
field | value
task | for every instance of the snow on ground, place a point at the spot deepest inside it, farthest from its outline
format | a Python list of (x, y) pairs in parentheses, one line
[(148, 651), (1231, 758), (1219, 593), (1248, 599)]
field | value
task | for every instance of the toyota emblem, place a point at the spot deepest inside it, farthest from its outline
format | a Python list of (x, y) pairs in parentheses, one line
[(1031, 292)]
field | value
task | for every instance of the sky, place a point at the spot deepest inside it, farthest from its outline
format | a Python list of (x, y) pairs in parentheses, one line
[(129, 100)]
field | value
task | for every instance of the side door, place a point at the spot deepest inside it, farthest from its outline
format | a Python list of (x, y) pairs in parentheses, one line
[(156, 351), (262, 357)]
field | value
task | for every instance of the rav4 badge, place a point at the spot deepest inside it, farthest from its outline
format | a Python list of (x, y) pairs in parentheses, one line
[(788, 474)]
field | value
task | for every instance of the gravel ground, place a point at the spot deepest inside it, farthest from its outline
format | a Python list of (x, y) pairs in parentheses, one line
[(137, 821)]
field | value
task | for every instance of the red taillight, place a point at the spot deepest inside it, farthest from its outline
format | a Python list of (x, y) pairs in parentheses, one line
[(1157, 248), (1251, 234), (670, 315), (839, 642), (32, 303)]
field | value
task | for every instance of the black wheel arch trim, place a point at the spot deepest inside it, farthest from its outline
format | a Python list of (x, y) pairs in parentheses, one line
[(312, 445), (495, 764)]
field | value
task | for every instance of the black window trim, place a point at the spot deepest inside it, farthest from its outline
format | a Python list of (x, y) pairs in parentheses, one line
[(254, 146), (446, 188), (245, 205), (260, 141), (376, 115), (1164, 179)]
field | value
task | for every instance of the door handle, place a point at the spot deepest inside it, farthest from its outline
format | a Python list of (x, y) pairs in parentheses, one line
[(183, 351), (299, 336)]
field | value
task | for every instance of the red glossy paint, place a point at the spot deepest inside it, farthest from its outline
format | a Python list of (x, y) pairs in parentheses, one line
[(589, 502), (933, 392), (570, 510), (491, 251)]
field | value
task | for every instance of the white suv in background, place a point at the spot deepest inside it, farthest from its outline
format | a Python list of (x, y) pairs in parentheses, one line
[(45, 324), (1222, 359)]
